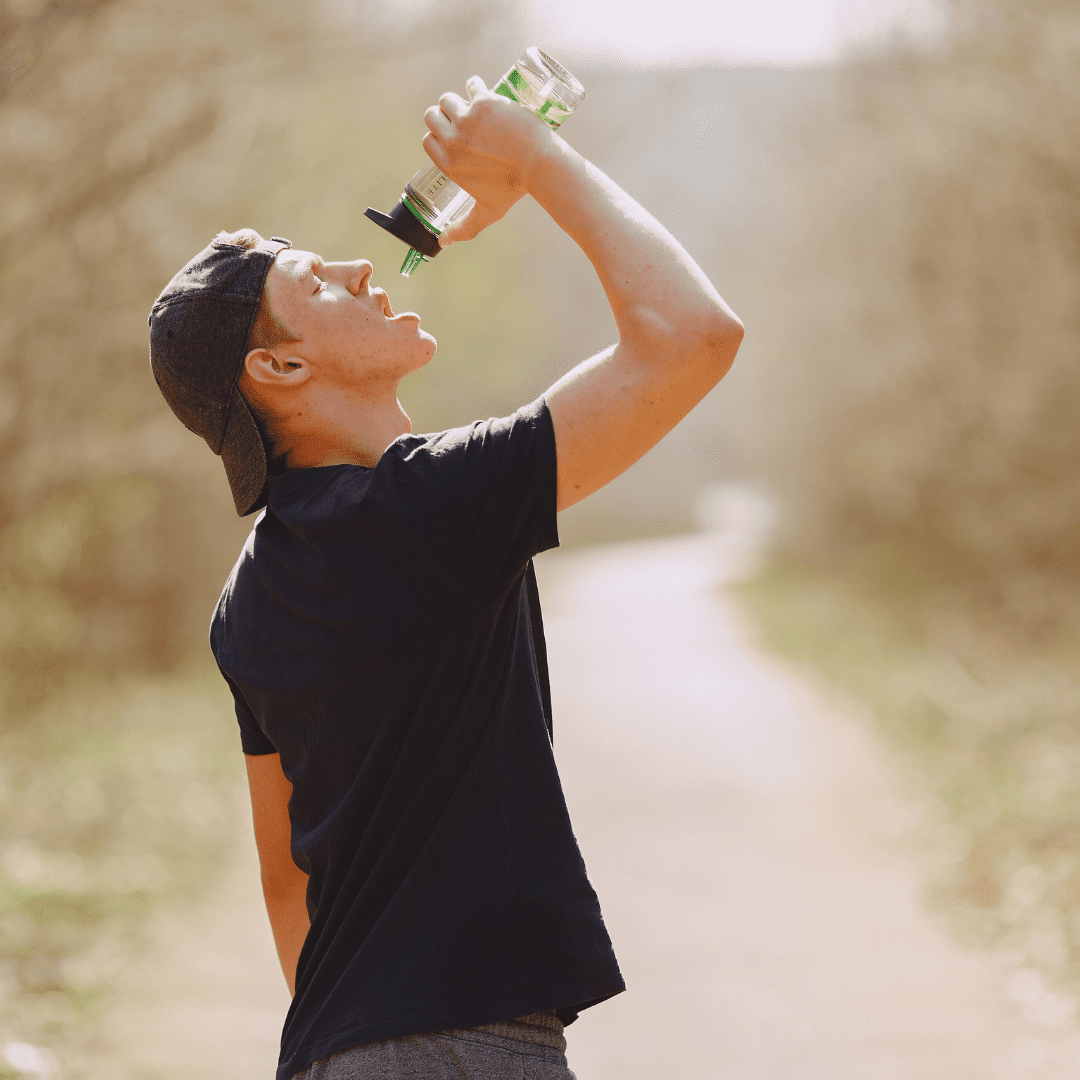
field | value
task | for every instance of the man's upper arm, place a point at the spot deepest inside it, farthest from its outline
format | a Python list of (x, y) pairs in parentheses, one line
[(270, 794), (613, 408)]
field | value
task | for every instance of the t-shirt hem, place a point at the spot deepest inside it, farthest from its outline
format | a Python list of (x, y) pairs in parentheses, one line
[(425, 1023)]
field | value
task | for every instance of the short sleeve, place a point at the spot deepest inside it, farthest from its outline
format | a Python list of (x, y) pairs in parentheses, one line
[(481, 499), (252, 740)]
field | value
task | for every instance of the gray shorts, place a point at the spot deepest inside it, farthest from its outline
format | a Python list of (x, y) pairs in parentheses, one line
[(529, 1048)]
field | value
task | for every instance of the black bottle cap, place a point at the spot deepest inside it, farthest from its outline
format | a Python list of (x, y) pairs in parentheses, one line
[(402, 223)]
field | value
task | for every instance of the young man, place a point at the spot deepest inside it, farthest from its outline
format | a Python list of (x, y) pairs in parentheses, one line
[(381, 631)]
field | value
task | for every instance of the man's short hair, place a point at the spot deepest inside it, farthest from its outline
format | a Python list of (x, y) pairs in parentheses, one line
[(267, 330)]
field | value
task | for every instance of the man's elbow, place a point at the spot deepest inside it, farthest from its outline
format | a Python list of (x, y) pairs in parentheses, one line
[(719, 342), (702, 342)]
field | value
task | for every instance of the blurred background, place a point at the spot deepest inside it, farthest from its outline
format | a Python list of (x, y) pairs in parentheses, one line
[(887, 194)]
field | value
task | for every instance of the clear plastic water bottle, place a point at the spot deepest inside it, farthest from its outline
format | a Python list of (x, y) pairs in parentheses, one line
[(432, 201)]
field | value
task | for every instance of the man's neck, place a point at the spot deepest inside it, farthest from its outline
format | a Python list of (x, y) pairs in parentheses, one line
[(345, 430)]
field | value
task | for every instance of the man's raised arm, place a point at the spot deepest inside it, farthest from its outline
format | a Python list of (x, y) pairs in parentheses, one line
[(677, 337)]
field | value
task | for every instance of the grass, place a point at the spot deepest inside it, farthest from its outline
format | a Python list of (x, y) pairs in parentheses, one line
[(990, 711), (113, 800)]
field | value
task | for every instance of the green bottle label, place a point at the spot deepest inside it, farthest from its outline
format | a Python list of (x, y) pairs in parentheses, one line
[(553, 112)]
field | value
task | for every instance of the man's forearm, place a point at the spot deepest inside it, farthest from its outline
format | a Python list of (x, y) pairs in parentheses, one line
[(287, 907), (653, 286)]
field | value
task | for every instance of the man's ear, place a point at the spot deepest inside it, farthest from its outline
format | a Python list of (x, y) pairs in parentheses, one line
[(269, 371)]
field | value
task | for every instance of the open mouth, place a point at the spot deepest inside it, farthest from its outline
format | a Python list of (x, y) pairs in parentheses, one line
[(388, 312)]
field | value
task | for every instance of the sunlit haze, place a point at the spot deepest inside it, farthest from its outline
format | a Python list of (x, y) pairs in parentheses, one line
[(680, 31), (689, 31)]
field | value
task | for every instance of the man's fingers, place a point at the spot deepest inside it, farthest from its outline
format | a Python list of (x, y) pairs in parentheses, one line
[(475, 86), (434, 150), (453, 106), (436, 121), (441, 121)]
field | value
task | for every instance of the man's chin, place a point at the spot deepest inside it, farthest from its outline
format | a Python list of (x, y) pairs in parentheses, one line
[(422, 350)]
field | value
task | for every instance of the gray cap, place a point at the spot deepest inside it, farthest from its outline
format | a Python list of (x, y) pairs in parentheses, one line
[(199, 328)]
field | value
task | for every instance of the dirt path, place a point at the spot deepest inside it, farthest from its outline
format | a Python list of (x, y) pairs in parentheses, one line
[(758, 856), (757, 853), (208, 1003)]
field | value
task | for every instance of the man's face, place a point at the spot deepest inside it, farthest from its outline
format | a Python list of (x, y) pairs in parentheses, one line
[(348, 332)]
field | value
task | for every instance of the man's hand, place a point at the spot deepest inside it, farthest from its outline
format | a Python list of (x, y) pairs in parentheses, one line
[(489, 146)]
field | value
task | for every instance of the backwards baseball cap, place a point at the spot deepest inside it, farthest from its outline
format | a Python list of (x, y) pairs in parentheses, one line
[(199, 328)]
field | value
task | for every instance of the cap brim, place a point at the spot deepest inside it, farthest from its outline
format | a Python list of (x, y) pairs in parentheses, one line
[(244, 456)]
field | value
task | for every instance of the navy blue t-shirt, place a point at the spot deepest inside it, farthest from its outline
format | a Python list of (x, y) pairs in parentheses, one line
[(381, 632)]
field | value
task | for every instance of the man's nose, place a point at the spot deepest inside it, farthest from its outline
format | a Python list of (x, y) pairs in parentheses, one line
[(352, 275)]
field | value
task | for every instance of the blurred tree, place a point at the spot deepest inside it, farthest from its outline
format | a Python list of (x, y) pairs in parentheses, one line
[(924, 378), (100, 522)]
